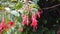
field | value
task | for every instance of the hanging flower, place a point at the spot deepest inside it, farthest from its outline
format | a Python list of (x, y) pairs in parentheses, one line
[(2, 26), (6, 27), (34, 22), (11, 24), (2, 23), (25, 20)]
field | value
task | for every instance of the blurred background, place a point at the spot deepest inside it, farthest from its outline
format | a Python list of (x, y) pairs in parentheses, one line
[(50, 18)]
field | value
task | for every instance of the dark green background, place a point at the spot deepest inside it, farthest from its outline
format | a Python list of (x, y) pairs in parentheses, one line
[(50, 18)]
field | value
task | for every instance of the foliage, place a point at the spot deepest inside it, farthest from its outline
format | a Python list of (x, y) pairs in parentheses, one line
[(20, 19)]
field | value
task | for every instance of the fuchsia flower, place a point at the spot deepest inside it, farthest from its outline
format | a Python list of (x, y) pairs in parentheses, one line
[(2, 23), (38, 14), (25, 20), (11, 24), (6, 27), (34, 22), (2, 26)]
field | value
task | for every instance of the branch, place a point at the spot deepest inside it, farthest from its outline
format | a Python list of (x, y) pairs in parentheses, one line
[(52, 6)]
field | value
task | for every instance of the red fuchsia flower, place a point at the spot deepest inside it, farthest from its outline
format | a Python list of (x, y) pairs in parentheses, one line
[(11, 24), (38, 13), (2, 23), (25, 20), (2, 26), (34, 22), (6, 27)]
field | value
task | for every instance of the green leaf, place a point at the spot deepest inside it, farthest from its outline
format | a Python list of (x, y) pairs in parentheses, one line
[(33, 6), (18, 5), (4, 32), (30, 14), (13, 0), (8, 0), (35, 1), (6, 18)]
